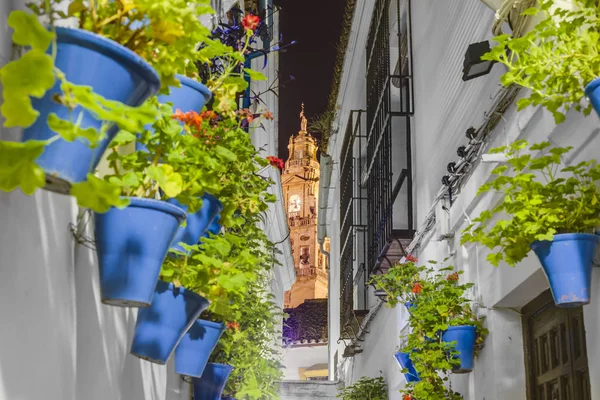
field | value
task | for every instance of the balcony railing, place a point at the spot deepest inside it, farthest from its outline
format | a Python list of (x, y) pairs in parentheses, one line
[(303, 221)]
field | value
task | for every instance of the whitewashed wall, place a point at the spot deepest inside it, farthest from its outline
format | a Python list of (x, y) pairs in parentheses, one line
[(444, 108), (57, 341), (302, 357)]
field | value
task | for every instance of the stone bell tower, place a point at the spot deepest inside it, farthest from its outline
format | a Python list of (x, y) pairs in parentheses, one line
[(300, 180)]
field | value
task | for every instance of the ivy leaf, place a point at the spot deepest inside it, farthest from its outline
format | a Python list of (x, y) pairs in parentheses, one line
[(30, 75), (18, 167), (28, 31), (98, 194), (169, 181)]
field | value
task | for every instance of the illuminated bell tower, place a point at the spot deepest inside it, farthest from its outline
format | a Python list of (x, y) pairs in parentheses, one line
[(300, 180)]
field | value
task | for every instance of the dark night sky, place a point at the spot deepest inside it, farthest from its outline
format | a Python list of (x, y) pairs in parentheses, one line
[(315, 26)]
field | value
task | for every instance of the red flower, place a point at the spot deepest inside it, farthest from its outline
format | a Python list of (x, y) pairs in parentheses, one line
[(276, 162), (233, 325), (416, 289), (411, 258), (407, 397), (452, 277), (250, 22), (268, 115)]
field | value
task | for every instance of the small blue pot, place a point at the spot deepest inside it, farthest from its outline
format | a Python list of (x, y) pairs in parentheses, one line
[(210, 386), (192, 353), (131, 244), (592, 92), (464, 336), (409, 305), (190, 96), (567, 261), (112, 71), (197, 223), (405, 362), (160, 327)]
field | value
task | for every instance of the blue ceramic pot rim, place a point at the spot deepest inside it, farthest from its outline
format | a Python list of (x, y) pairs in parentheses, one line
[(461, 328), (189, 82), (187, 293), (221, 366), (592, 86), (211, 324), (567, 236), (110, 48), (158, 205)]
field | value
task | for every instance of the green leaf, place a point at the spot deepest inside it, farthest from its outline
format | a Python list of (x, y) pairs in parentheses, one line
[(531, 11), (255, 75), (225, 153), (70, 131), (98, 195), (31, 75), (169, 181), (18, 167), (28, 31), (122, 138)]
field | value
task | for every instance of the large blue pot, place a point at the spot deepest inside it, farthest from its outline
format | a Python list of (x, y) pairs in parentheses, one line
[(196, 223), (160, 327), (592, 92), (464, 336), (192, 353), (112, 71), (131, 244), (214, 227), (190, 96), (213, 380), (567, 261), (406, 363)]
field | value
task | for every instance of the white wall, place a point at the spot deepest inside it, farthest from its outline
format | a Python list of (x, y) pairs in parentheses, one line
[(302, 357), (444, 108)]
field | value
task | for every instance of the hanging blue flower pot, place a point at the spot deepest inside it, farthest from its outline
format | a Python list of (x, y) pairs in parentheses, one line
[(567, 261), (213, 380), (197, 223), (192, 353), (464, 336), (112, 71), (592, 92), (409, 305), (214, 227), (406, 363), (190, 96), (131, 244), (160, 327)]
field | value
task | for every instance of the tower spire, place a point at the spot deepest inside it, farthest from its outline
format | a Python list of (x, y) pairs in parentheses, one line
[(303, 121)]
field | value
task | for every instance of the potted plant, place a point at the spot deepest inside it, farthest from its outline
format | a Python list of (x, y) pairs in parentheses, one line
[(558, 60), (72, 110), (212, 383), (407, 367), (365, 388), (398, 282), (552, 210)]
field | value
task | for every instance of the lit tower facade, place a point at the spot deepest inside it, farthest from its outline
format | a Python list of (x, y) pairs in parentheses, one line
[(300, 180)]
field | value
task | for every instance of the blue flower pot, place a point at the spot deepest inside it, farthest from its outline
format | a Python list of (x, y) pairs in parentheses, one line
[(409, 305), (192, 353), (406, 363), (112, 71), (567, 261), (131, 244), (197, 223), (160, 327), (464, 336), (213, 380), (592, 92), (190, 96), (214, 227)]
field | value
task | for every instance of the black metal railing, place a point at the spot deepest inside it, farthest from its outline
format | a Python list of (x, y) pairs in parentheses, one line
[(389, 111), (353, 213)]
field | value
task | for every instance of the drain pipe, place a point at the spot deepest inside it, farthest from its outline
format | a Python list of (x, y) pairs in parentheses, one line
[(324, 182)]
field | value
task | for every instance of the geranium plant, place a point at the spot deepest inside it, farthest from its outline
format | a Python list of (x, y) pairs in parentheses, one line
[(365, 388), (556, 60), (541, 198)]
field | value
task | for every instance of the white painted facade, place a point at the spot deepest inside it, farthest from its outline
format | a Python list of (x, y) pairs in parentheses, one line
[(445, 107), (57, 341), (297, 357)]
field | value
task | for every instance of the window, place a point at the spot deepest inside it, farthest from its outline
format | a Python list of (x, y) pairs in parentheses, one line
[(294, 204), (555, 351), (304, 255)]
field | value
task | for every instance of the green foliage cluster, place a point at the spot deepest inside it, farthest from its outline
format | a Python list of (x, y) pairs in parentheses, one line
[(365, 388), (557, 59), (541, 198), (438, 302)]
